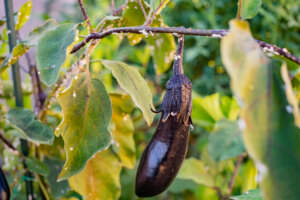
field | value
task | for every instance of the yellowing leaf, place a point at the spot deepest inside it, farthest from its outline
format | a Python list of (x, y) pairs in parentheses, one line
[(270, 134), (134, 16), (134, 84), (100, 178), (123, 130), (23, 14), (86, 114), (163, 50), (291, 97), (17, 52)]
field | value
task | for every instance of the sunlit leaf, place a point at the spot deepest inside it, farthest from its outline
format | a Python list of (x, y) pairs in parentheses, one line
[(251, 195), (248, 177), (195, 170), (226, 141), (17, 52), (134, 16), (86, 114), (51, 51), (37, 166), (291, 97), (270, 135), (250, 8), (132, 82), (24, 121), (123, 130), (100, 178), (163, 49), (23, 14)]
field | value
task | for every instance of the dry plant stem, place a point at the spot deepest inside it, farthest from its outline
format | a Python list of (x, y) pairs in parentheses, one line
[(85, 16), (113, 6), (236, 168), (239, 9), (183, 31), (8, 143)]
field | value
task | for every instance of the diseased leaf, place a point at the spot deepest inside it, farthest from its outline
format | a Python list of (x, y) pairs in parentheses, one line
[(251, 195), (195, 170), (37, 166), (31, 129), (270, 135), (51, 51), (163, 50), (134, 84), (17, 52), (226, 142), (250, 8), (87, 112), (23, 14), (100, 178), (123, 129)]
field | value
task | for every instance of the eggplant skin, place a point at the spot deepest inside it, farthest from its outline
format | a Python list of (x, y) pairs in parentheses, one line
[(162, 158), (4, 188)]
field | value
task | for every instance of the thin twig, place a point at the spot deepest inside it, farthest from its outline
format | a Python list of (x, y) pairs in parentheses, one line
[(113, 6), (239, 11), (8, 143), (143, 9), (119, 10), (184, 31), (236, 168), (85, 15), (150, 18)]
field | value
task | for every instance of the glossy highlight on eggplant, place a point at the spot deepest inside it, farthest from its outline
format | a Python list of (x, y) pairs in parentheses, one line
[(166, 151), (4, 188)]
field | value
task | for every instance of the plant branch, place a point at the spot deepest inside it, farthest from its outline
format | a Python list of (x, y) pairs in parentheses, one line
[(8, 143), (119, 10), (150, 18), (239, 11), (85, 15), (182, 31), (236, 168), (12, 37)]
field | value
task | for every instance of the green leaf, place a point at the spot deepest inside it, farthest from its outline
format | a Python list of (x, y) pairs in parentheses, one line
[(33, 130), (134, 16), (210, 109), (226, 142), (134, 84), (58, 189), (35, 35), (86, 114), (37, 166), (180, 185), (270, 135), (100, 179), (251, 195), (194, 169), (123, 129), (163, 50), (17, 52), (23, 14), (51, 51), (250, 8)]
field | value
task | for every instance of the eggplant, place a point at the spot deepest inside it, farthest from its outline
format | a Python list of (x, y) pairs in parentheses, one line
[(4, 188), (166, 151)]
